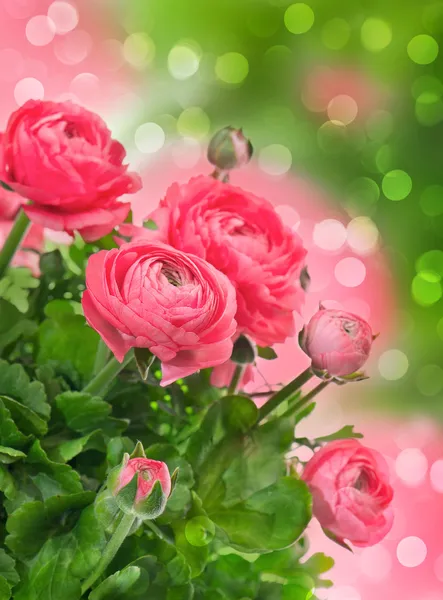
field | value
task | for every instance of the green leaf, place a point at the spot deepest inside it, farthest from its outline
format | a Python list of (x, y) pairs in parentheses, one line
[(15, 383), (30, 525), (65, 339), (7, 568), (239, 413), (50, 576), (13, 324), (5, 589), (85, 413), (10, 435), (150, 224), (10, 455), (315, 566), (26, 419), (271, 519), (122, 585), (90, 541), (344, 433), (195, 556), (15, 287), (69, 449), (267, 353)]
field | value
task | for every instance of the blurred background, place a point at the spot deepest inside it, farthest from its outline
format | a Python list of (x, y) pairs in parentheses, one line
[(343, 102)]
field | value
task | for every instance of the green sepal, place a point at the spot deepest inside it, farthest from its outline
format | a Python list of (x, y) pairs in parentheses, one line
[(243, 352), (126, 496), (139, 451), (6, 187), (267, 353), (357, 376), (337, 540), (144, 359), (150, 224), (174, 479), (153, 505)]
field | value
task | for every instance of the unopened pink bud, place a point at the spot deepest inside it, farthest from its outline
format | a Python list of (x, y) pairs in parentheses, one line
[(229, 149), (338, 342)]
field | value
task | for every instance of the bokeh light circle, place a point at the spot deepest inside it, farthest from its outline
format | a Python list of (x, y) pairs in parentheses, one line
[(393, 364), (423, 49), (361, 195), (436, 476), (183, 62), (429, 109), (275, 159), (193, 122), (376, 34), (411, 552), (299, 18), (138, 50), (362, 235), (40, 30), (149, 138), (343, 108), (28, 88), (396, 185), (431, 200), (64, 16), (74, 47), (329, 234), (336, 33), (430, 380), (411, 466), (350, 272), (426, 291), (232, 67)]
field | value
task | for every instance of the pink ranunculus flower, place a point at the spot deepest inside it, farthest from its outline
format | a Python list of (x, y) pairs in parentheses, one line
[(338, 342), (27, 255), (149, 295), (351, 492), (242, 236), (221, 376), (63, 159)]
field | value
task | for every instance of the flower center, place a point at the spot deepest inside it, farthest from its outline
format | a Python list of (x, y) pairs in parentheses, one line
[(70, 130), (362, 482), (172, 276), (350, 327), (145, 474)]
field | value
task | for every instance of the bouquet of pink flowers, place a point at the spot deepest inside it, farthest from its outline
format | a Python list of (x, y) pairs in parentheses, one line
[(133, 463)]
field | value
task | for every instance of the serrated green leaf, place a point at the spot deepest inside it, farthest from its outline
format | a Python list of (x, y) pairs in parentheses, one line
[(90, 541), (15, 383), (50, 576), (7, 568), (85, 413), (30, 525), (13, 324), (69, 449), (10, 455), (271, 519), (26, 419), (121, 585), (5, 589), (65, 339), (10, 435)]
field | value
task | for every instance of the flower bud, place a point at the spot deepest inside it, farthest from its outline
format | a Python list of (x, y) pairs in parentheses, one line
[(141, 486), (229, 149), (338, 343)]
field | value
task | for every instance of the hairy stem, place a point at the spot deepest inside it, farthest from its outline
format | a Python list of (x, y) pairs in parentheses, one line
[(235, 379), (101, 381), (13, 241)]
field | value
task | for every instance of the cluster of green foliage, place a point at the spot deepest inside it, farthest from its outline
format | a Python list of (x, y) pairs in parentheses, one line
[(234, 524)]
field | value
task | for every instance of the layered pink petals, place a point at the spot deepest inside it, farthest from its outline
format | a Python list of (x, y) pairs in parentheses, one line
[(149, 295), (63, 159), (337, 342), (351, 491), (242, 236)]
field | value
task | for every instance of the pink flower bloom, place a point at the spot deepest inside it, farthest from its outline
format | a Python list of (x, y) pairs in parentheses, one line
[(221, 376), (28, 255), (62, 157), (351, 492), (243, 237), (149, 471), (338, 342), (150, 295)]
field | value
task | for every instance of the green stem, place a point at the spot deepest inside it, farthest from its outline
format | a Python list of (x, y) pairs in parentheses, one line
[(117, 539), (305, 400), (101, 381), (13, 241), (101, 357), (284, 393), (159, 533), (235, 379)]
